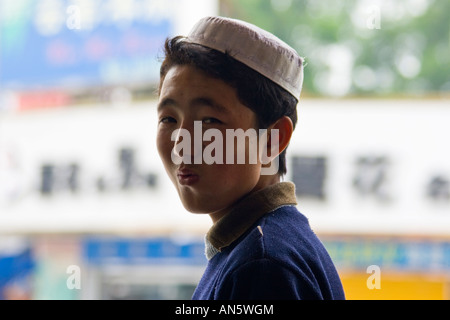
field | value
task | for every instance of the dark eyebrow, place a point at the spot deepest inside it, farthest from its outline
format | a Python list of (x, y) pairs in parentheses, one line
[(201, 101), (207, 102), (165, 103)]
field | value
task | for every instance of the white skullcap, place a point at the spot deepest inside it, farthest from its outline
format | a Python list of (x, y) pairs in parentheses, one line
[(254, 47)]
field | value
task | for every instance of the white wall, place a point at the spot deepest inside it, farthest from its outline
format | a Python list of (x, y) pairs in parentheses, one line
[(411, 134)]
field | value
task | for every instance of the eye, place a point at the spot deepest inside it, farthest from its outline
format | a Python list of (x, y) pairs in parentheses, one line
[(211, 121), (167, 120)]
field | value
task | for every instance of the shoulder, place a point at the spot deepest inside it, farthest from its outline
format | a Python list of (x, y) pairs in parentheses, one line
[(281, 234), (280, 252)]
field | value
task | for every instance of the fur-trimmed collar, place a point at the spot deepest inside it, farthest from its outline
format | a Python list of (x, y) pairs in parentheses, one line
[(245, 213)]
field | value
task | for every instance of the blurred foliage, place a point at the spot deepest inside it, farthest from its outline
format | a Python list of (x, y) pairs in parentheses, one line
[(360, 47)]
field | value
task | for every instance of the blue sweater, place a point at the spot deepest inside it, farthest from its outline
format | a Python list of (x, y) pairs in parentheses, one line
[(277, 257)]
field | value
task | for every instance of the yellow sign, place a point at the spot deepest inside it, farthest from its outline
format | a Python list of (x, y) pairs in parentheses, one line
[(395, 286)]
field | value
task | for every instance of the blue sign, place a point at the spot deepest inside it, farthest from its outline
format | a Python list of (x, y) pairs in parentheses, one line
[(15, 269), (66, 43), (132, 251), (393, 254)]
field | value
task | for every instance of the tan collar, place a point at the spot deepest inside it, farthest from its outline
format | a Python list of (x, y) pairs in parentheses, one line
[(247, 211)]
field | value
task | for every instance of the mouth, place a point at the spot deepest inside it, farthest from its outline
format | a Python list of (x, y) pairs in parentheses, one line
[(187, 177)]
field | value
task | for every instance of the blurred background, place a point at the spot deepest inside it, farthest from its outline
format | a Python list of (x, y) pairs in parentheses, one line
[(86, 209)]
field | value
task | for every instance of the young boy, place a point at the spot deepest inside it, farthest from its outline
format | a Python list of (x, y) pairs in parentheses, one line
[(230, 76)]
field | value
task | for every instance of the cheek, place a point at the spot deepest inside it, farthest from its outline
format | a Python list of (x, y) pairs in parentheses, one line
[(235, 176), (164, 146)]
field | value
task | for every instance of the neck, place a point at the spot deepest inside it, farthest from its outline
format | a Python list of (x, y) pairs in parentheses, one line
[(263, 183), (247, 211)]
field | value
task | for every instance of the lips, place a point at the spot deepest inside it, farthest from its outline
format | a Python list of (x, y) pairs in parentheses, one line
[(187, 177)]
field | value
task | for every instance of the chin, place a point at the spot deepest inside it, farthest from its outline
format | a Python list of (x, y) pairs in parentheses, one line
[(195, 209)]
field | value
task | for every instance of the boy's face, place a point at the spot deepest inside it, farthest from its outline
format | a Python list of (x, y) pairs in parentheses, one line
[(189, 95)]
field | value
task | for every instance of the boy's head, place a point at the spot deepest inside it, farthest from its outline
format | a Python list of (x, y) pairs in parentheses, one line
[(226, 68)]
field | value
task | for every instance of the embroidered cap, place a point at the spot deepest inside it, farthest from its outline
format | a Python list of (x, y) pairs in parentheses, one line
[(253, 46)]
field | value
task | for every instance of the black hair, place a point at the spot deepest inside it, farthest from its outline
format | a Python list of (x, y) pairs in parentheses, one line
[(267, 99)]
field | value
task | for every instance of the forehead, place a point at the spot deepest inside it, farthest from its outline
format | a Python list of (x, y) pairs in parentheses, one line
[(184, 83), (189, 89)]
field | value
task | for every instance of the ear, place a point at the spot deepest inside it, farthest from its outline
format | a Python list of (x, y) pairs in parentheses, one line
[(285, 129)]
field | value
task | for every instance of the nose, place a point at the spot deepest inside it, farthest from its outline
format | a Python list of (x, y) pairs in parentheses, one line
[(188, 140)]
